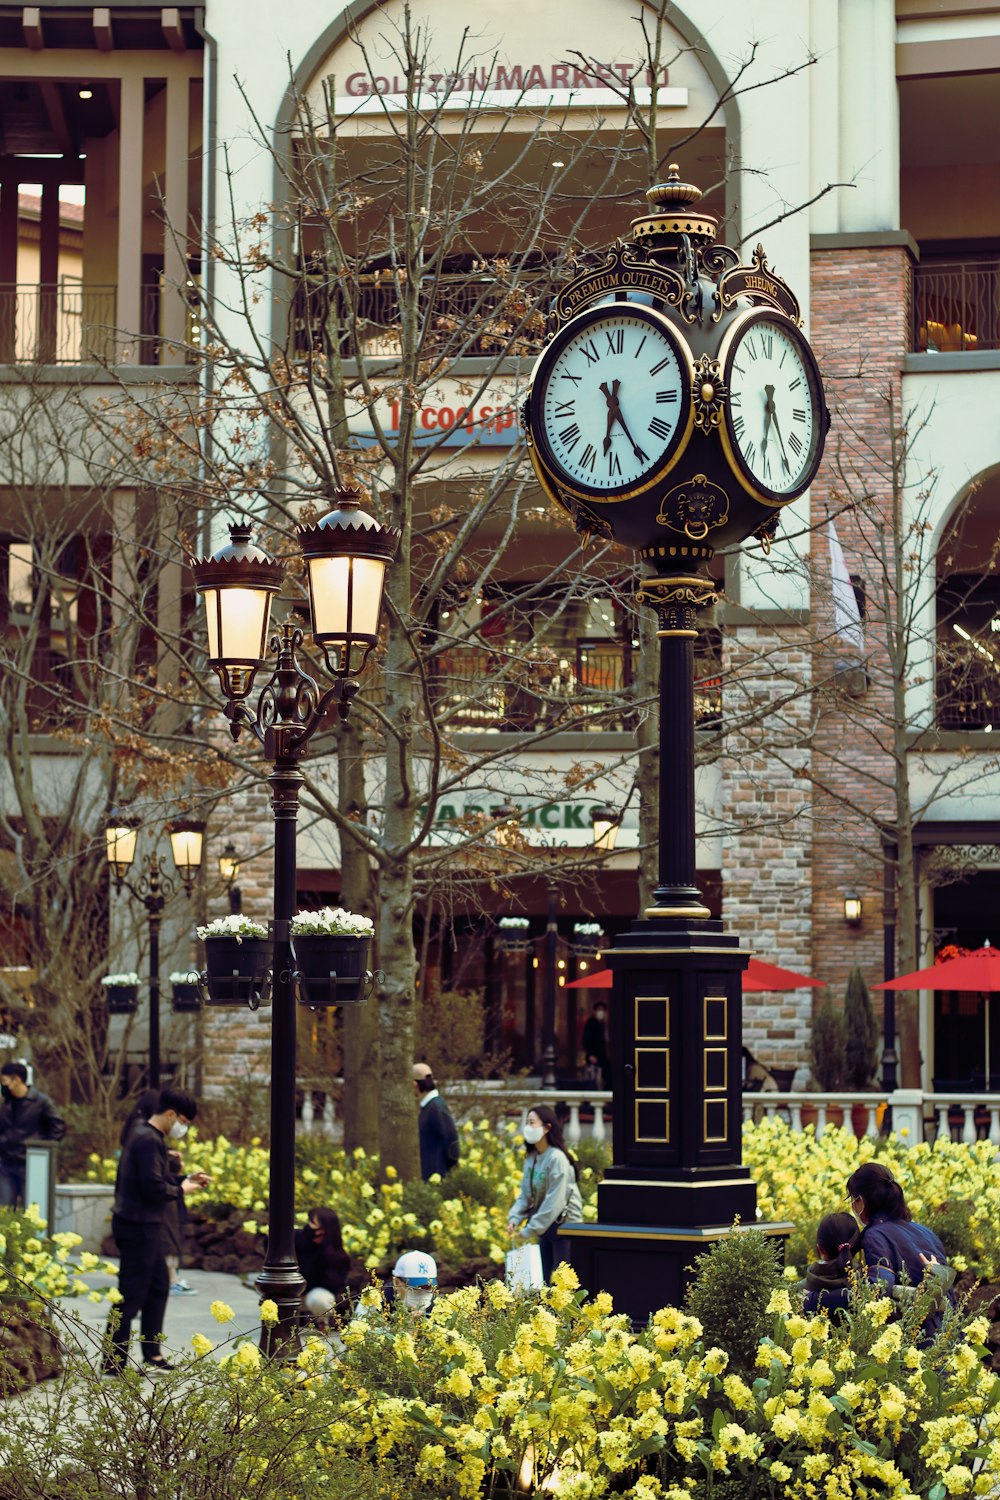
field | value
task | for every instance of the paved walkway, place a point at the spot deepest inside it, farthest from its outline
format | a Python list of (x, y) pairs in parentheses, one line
[(185, 1315)]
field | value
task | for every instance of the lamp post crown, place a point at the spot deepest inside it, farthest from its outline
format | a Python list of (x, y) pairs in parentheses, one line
[(240, 552), (341, 529)]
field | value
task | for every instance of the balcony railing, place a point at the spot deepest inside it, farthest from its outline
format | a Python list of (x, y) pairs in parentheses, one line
[(59, 324), (483, 311), (478, 688), (956, 306), (968, 691)]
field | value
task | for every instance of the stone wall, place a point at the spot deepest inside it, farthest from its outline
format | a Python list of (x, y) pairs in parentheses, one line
[(765, 809)]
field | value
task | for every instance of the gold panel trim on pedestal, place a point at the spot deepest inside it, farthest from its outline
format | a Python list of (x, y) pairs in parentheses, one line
[(715, 1036), (717, 1053), (662, 1086), (653, 1036), (714, 1135), (648, 1105)]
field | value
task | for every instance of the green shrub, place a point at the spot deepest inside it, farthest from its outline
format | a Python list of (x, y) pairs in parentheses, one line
[(732, 1286), (827, 1047), (861, 1033), (465, 1182)]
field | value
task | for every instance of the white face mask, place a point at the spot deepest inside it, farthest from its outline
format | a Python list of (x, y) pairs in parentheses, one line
[(533, 1134), (177, 1131), (417, 1299)]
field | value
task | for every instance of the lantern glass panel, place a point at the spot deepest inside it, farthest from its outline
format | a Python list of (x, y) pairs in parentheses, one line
[(346, 594), (186, 848), (237, 621), (121, 842)]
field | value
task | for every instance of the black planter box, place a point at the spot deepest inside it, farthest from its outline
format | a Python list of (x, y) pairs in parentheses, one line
[(331, 970), (123, 999), (186, 997), (238, 973)]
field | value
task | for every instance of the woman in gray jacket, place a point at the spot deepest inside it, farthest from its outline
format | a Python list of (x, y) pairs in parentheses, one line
[(549, 1195)]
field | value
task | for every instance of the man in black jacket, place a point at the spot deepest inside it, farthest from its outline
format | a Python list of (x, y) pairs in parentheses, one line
[(25, 1113), (438, 1132), (143, 1188)]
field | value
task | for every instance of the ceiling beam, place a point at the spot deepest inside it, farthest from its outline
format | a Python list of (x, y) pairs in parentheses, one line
[(170, 21), (31, 23), (104, 38), (52, 99)]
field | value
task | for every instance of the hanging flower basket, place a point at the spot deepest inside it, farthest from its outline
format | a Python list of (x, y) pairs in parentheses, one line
[(186, 993), (122, 993), (238, 962), (331, 956), (331, 970)]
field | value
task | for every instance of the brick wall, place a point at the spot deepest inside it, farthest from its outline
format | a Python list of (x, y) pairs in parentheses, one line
[(237, 1042), (861, 301), (767, 847)]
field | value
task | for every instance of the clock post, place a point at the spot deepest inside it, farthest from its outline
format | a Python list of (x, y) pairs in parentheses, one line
[(676, 409)]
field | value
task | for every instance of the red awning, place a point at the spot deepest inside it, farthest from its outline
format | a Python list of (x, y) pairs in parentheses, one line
[(973, 971), (759, 977)]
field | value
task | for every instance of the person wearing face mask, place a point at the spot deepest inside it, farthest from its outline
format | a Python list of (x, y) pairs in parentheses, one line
[(594, 1041), (24, 1112), (549, 1195), (143, 1189), (414, 1282), (324, 1263), (439, 1148)]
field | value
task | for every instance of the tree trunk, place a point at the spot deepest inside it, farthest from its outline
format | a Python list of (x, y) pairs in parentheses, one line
[(361, 1069)]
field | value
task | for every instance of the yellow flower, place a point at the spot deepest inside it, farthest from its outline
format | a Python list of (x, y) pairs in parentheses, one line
[(222, 1312), (248, 1357), (268, 1311), (780, 1301), (201, 1345)]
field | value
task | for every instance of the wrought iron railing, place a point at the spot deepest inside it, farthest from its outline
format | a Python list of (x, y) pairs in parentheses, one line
[(478, 688), (63, 323), (487, 312), (956, 306), (968, 691)]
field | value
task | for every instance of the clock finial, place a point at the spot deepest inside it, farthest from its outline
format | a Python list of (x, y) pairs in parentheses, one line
[(673, 213)]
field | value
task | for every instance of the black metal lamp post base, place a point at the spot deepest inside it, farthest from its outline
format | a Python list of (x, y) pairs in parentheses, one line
[(678, 1181), (645, 1267)]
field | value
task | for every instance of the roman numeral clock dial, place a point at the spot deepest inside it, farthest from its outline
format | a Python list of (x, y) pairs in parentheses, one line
[(775, 418), (610, 402)]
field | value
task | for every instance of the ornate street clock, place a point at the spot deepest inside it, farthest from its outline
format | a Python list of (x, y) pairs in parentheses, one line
[(678, 401), (677, 408), (609, 361)]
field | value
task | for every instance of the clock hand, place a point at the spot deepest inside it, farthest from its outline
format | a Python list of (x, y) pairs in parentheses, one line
[(784, 460), (768, 414), (615, 415), (610, 394)]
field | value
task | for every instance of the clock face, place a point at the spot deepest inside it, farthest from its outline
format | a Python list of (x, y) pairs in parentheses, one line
[(775, 420), (611, 401)]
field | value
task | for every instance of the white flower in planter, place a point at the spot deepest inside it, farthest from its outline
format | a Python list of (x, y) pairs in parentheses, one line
[(184, 976), (514, 924), (331, 921), (236, 925), (120, 979)]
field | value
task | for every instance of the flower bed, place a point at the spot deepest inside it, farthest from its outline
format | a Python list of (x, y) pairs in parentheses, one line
[(495, 1396)]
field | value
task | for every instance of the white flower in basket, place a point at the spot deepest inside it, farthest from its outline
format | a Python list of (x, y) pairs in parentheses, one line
[(514, 924), (331, 921), (120, 979), (184, 976), (587, 929), (236, 925)]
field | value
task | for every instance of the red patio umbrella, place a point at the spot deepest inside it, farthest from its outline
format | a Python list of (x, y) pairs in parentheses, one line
[(972, 971), (757, 978), (977, 971)]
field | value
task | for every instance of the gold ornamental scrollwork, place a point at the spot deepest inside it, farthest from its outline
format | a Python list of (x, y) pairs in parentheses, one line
[(626, 268), (758, 282), (708, 392), (689, 589), (694, 508)]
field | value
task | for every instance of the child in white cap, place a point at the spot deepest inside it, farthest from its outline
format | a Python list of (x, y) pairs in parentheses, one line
[(414, 1281)]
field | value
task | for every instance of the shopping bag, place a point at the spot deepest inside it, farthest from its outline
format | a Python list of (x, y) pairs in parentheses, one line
[(524, 1269)]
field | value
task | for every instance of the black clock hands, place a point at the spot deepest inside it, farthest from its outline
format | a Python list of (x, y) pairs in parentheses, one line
[(610, 394), (771, 415)]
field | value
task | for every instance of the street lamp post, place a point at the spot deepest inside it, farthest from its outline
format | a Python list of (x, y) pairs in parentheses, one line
[(154, 887), (346, 555)]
